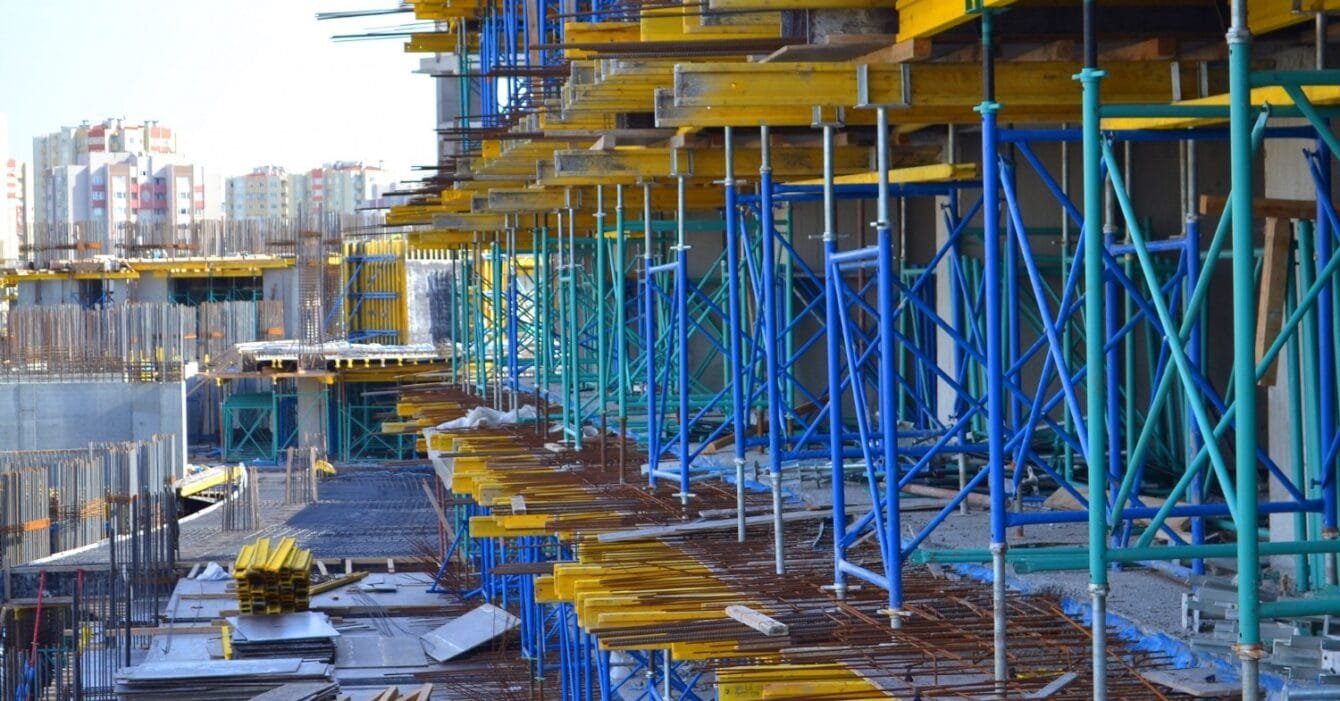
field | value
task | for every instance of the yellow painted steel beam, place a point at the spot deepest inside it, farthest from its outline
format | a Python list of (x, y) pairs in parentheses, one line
[(1320, 95), (935, 173), (926, 18), (1269, 15)]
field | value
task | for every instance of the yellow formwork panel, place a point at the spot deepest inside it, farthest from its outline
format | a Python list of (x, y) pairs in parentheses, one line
[(380, 275)]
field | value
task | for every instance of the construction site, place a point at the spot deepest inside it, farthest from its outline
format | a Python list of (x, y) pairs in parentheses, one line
[(726, 349)]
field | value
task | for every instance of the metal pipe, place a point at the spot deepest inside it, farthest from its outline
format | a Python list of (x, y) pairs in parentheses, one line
[(1091, 82), (1244, 353), (888, 420), (739, 418), (682, 312), (832, 334), (770, 343), (995, 361)]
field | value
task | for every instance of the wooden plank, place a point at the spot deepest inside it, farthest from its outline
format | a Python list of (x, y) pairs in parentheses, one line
[(1264, 207), (1061, 50), (760, 622), (1274, 284), (908, 51), (1157, 49)]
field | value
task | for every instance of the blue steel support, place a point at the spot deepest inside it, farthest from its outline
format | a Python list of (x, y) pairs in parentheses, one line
[(995, 370)]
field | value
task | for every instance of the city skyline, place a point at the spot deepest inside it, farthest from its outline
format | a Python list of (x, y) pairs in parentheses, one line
[(286, 95)]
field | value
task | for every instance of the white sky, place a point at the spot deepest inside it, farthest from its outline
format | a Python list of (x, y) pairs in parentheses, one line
[(243, 82)]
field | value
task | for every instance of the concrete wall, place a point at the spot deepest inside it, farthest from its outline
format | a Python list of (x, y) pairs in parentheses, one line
[(418, 302), (51, 415)]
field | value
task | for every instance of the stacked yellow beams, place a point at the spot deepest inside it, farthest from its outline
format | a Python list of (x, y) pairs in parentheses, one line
[(627, 588), (612, 585), (272, 577)]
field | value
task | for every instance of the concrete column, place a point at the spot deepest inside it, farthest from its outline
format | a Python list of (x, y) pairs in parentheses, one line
[(311, 417)]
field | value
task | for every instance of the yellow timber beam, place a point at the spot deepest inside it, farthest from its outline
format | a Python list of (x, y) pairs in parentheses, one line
[(445, 10), (756, 5), (723, 94), (1316, 94), (470, 221), (630, 165), (597, 33), (684, 23), (529, 200), (925, 18), (669, 114), (1269, 15), (935, 173)]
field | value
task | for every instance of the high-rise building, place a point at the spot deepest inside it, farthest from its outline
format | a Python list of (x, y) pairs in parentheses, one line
[(267, 192), (15, 198), (334, 189), (95, 184), (343, 187)]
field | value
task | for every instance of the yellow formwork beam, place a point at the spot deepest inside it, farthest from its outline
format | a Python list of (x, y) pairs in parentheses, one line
[(793, 681), (1321, 95), (470, 221), (597, 33), (925, 18), (1269, 15), (528, 200), (431, 43), (756, 5), (935, 173), (631, 165), (911, 88), (730, 94), (683, 22), (444, 10)]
